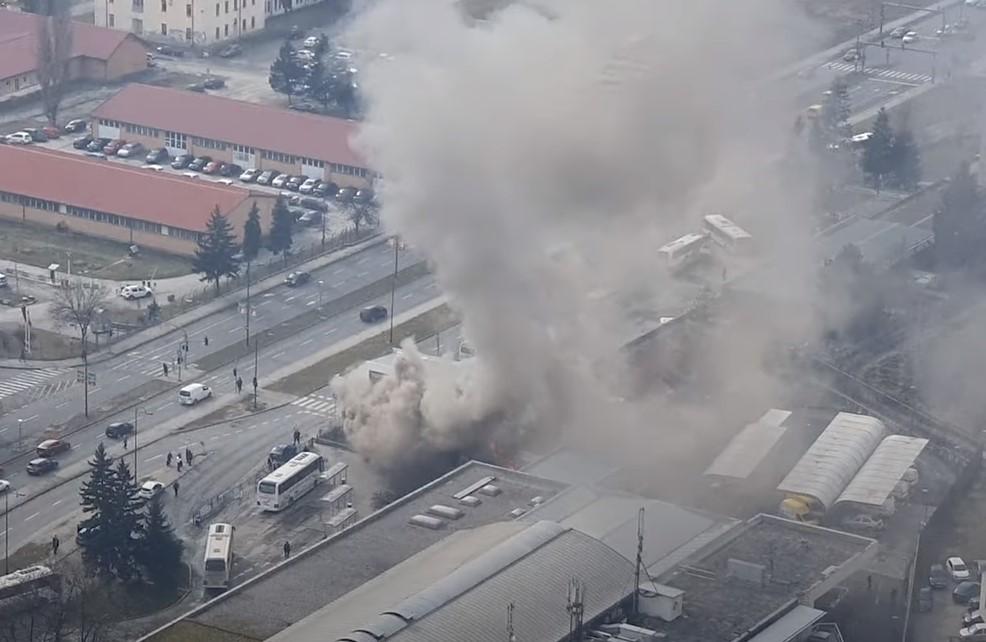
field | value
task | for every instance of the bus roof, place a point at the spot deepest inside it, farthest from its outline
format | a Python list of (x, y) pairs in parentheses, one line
[(218, 543), (727, 227), (24, 575), (684, 241), (288, 468)]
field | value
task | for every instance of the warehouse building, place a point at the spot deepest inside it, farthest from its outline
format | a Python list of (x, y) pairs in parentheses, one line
[(97, 54), (247, 134), (114, 201)]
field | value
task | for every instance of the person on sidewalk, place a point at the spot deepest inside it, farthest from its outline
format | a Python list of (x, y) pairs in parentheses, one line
[(176, 481), (164, 367), (297, 437), (179, 469), (287, 549), (205, 340), (124, 443), (239, 385), (168, 460), (54, 545), (188, 455)]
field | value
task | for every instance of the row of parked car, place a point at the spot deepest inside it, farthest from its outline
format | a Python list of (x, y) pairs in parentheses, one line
[(30, 135)]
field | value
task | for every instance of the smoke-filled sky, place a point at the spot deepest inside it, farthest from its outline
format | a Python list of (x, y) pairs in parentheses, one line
[(547, 152)]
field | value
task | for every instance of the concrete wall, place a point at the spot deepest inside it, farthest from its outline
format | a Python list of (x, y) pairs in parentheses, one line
[(17, 83), (129, 58)]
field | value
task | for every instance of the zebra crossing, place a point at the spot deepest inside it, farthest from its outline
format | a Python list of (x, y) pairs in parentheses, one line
[(889, 74), (27, 379), (321, 405)]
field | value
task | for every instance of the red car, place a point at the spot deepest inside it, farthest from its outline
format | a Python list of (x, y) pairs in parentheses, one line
[(114, 146), (212, 167), (51, 132)]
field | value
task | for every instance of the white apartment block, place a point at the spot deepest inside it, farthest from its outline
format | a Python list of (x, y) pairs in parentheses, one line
[(202, 22)]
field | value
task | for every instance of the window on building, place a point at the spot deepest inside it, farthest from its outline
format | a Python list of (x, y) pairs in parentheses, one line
[(244, 24), (164, 29), (112, 20), (188, 34), (226, 4), (188, 11), (253, 22), (217, 31), (236, 5), (174, 140), (137, 6), (225, 30), (217, 8), (164, 6), (137, 26)]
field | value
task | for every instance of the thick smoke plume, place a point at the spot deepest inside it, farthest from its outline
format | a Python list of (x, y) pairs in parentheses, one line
[(539, 157)]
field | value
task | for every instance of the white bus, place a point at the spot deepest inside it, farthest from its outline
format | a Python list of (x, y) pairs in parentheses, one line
[(682, 251), (218, 556), (28, 587), (282, 487), (727, 234)]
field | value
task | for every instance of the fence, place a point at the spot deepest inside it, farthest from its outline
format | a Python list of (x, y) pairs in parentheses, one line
[(218, 502)]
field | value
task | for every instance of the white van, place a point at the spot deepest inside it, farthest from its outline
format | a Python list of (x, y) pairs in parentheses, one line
[(193, 393), (135, 291)]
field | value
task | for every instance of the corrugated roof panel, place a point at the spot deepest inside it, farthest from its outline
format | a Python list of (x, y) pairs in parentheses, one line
[(875, 481), (836, 456), (790, 625), (746, 450)]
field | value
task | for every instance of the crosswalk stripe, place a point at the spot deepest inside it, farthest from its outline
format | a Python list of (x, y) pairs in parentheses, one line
[(28, 379)]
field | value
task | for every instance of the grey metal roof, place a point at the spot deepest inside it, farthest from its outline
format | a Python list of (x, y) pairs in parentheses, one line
[(839, 452), (750, 447), (790, 625), (876, 479)]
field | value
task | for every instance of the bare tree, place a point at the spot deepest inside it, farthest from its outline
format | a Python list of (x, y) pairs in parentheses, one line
[(80, 611), (54, 54), (77, 303)]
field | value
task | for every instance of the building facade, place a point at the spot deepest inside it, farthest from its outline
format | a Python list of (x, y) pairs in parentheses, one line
[(247, 134), (99, 55), (118, 202)]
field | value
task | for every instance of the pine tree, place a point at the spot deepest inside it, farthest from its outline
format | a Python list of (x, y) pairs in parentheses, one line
[(905, 159), (959, 223), (160, 549), (98, 493), (252, 234), (284, 71), (126, 523), (877, 156), (215, 255), (279, 239)]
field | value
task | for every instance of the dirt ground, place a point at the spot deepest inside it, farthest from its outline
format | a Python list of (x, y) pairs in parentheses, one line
[(41, 246), (45, 345)]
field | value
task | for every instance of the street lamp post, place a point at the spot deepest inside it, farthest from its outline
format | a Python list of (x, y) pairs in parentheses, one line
[(6, 532), (247, 311), (146, 412), (320, 284), (256, 355), (393, 287), (20, 432)]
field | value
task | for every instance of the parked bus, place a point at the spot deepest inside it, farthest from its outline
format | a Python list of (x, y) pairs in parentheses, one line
[(282, 487), (28, 587), (727, 234), (682, 251), (218, 556)]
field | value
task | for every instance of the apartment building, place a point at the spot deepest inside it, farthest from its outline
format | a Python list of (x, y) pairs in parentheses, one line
[(119, 202), (234, 131)]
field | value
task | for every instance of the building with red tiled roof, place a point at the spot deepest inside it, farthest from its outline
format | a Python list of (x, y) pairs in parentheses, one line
[(247, 134), (98, 54), (120, 202)]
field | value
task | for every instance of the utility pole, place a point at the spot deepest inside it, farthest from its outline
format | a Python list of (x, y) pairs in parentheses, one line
[(393, 287), (256, 355), (576, 608), (248, 304), (510, 623), (6, 533), (323, 229), (640, 561), (85, 376)]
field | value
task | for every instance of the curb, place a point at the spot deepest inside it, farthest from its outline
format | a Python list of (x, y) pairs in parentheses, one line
[(223, 302)]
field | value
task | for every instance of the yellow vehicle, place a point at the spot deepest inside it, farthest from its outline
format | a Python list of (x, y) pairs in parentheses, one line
[(800, 508)]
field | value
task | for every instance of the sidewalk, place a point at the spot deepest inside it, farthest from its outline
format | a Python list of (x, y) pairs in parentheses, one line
[(222, 302)]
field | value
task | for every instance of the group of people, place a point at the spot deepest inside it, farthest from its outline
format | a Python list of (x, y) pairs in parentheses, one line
[(188, 459)]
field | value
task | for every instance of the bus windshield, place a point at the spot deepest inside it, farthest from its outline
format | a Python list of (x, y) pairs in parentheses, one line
[(267, 487), (215, 565)]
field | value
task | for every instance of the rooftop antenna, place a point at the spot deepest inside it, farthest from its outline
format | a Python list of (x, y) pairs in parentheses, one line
[(510, 623), (576, 609), (640, 561)]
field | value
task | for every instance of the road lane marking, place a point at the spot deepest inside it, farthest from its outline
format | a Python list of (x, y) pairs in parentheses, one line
[(362, 275), (331, 330), (306, 341), (30, 517), (56, 503), (153, 458), (407, 296), (123, 378), (278, 355), (31, 417), (61, 405), (312, 302), (236, 329), (290, 298), (4, 429)]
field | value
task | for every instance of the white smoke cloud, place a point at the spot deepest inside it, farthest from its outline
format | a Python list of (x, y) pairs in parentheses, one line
[(539, 158)]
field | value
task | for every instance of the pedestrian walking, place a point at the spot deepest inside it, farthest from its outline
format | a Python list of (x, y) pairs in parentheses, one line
[(205, 340), (124, 443), (176, 481), (270, 463), (179, 469), (239, 385), (297, 436), (234, 374), (188, 455), (164, 367), (287, 550), (54, 545), (167, 462)]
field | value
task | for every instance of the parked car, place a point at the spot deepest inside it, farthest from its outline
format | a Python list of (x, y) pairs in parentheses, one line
[(363, 196), (937, 576), (282, 453), (193, 393), (851, 55), (74, 126), (157, 155), (974, 616), (280, 181), (957, 568), (250, 175), (112, 147), (196, 86), (212, 167), (230, 51), (308, 185), (51, 447), (41, 465), (305, 106), (310, 217), (294, 183), (181, 161), (131, 150), (325, 189), (965, 592), (909, 37), (864, 522), (119, 429), (372, 314), (36, 134), (82, 142), (51, 132), (4, 486), (165, 50), (346, 195), (138, 291), (150, 489), (18, 138), (297, 278), (898, 33), (313, 203), (97, 144), (199, 163), (230, 170), (267, 176), (214, 82), (976, 632), (85, 533)]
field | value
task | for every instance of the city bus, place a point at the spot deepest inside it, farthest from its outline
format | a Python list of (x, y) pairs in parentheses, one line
[(218, 556), (682, 251), (282, 487), (28, 587), (727, 234)]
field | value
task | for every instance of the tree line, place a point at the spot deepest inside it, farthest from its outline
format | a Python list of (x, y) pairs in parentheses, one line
[(959, 224), (332, 85)]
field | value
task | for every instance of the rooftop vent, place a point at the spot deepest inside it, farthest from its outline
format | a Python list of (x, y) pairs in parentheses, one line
[(490, 490), (426, 521), (470, 500), (746, 571), (518, 512), (445, 511), (472, 488)]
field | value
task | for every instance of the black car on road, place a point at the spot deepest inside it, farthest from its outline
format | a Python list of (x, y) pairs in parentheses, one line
[(41, 465), (297, 278), (119, 429), (373, 314)]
